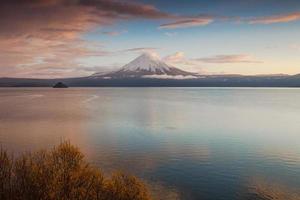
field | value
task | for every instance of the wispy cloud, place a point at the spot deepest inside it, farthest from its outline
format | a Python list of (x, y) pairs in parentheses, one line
[(188, 22), (281, 18), (200, 65), (223, 59), (66, 18), (44, 36), (203, 20), (114, 33), (140, 49), (127, 8), (45, 58), (180, 60), (170, 34), (177, 57)]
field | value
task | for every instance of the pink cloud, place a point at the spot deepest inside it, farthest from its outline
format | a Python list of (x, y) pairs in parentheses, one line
[(114, 33), (222, 59), (127, 8), (45, 58), (175, 58), (180, 60), (276, 18), (141, 49), (188, 22), (44, 36)]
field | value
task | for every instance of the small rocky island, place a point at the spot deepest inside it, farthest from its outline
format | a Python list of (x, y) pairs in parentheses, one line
[(60, 85)]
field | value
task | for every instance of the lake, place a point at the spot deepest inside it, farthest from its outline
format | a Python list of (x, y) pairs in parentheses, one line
[(186, 143)]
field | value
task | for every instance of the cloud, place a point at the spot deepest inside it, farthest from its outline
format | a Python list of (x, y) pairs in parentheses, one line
[(188, 22), (68, 18), (179, 58), (45, 36), (283, 18), (50, 19), (114, 33), (127, 8), (198, 64), (203, 20), (141, 49), (170, 34), (223, 59), (43, 58)]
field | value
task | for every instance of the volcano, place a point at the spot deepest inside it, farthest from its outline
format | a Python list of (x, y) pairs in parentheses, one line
[(148, 65)]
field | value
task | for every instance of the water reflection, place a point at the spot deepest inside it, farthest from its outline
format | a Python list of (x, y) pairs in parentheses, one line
[(31, 119), (187, 143), (261, 189)]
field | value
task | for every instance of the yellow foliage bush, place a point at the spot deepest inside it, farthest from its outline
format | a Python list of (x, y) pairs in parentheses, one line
[(63, 174)]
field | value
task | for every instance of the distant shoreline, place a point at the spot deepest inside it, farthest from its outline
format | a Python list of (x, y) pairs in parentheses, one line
[(291, 81)]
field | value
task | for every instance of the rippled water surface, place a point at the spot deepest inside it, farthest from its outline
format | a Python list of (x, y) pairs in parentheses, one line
[(186, 143)]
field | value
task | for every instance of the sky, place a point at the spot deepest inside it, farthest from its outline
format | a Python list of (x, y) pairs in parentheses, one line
[(71, 38)]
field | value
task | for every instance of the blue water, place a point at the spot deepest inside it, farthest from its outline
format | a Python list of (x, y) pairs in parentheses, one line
[(185, 143)]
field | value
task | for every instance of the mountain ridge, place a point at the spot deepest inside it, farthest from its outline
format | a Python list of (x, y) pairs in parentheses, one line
[(203, 81), (148, 70)]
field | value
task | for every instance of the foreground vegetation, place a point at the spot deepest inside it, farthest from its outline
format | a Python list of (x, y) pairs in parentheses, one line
[(63, 174)]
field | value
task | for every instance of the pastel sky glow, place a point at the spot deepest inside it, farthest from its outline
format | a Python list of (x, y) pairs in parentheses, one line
[(68, 38)]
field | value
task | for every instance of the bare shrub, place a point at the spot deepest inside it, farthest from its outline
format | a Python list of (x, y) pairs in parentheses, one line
[(63, 174), (5, 174), (123, 187)]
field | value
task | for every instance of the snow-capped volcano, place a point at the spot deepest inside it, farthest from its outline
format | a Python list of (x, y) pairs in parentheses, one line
[(148, 65), (149, 62)]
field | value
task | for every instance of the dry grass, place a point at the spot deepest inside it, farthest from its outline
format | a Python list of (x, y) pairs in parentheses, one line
[(63, 174)]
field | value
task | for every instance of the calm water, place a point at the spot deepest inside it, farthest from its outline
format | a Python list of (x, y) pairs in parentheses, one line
[(186, 143)]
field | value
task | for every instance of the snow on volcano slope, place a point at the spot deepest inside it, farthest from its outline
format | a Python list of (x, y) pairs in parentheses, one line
[(147, 62), (145, 66)]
